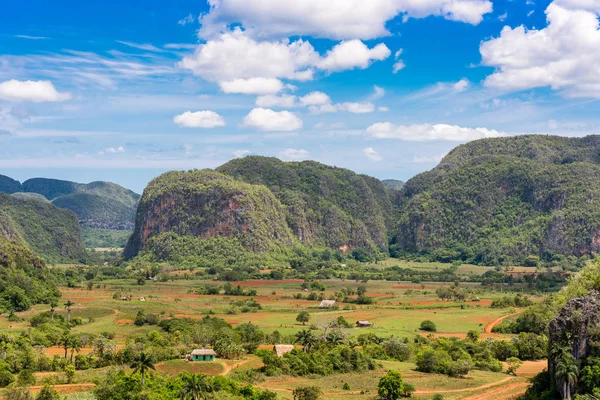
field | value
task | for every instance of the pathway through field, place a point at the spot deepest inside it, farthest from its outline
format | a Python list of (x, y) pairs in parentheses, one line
[(489, 327)]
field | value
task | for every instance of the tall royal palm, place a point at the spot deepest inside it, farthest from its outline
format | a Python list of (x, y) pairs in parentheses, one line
[(53, 305), (566, 374), (195, 387), (68, 306), (142, 363)]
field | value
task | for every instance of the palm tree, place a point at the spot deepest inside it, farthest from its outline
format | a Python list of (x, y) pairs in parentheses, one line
[(75, 345), (306, 339), (335, 338), (68, 306), (142, 364), (53, 305), (567, 373), (195, 387), (65, 340)]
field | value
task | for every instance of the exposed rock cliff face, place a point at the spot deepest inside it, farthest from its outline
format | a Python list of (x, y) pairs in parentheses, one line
[(208, 204), (326, 206), (574, 329)]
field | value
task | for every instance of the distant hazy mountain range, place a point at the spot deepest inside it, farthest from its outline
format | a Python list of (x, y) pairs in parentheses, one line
[(102, 205)]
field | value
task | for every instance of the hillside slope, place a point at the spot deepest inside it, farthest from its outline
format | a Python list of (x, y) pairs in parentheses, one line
[(51, 232), (24, 278), (101, 205), (205, 204), (505, 199), (9, 185), (326, 206)]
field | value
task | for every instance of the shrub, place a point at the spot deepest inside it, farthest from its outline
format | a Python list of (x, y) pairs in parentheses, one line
[(434, 361), (6, 378), (47, 393), (392, 387), (398, 350), (307, 393), (428, 326), (26, 378)]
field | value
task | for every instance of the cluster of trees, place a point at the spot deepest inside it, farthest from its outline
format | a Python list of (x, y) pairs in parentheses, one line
[(226, 289), (24, 278), (512, 301), (118, 385)]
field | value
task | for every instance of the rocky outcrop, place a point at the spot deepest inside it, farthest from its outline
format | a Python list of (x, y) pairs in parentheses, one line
[(206, 204), (326, 206), (573, 329)]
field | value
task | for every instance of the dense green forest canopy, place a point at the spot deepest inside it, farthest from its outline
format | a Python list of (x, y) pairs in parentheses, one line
[(24, 278), (327, 206), (504, 200)]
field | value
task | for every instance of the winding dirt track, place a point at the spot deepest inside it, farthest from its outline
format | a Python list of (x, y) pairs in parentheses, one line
[(482, 387), (491, 325)]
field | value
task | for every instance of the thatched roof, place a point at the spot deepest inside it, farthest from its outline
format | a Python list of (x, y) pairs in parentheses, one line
[(204, 352), (281, 349), (327, 303), (363, 323)]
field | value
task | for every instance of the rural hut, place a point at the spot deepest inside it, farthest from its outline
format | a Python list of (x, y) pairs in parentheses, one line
[(327, 304), (281, 349), (203, 355), (363, 324)]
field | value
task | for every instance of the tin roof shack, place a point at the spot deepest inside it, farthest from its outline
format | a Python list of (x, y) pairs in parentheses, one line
[(203, 355), (363, 324)]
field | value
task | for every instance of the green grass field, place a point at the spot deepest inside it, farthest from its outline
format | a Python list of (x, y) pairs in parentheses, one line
[(398, 310)]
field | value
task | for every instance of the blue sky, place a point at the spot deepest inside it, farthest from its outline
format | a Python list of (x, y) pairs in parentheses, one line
[(122, 91)]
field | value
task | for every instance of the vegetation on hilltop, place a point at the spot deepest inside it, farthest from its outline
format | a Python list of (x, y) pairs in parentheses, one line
[(507, 201), (326, 206), (206, 204), (32, 196), (49, 231)]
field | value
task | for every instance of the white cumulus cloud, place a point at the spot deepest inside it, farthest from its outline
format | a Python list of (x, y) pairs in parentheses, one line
[(241, 153), (294, 154), (372, 154), (315, 99), (265, 119), (35, 91), (563, 56), (199, 119), (252, 86), (353, 54), (333, 19), (236, 61), (428, 132)]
